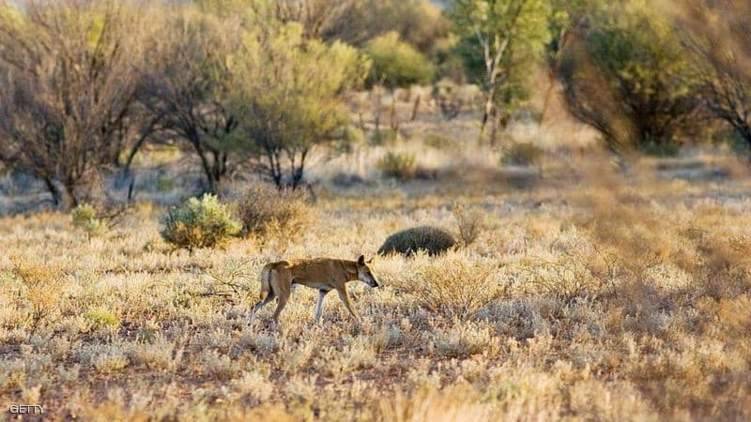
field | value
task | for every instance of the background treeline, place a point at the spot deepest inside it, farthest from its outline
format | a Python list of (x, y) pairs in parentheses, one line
[(254, 85)]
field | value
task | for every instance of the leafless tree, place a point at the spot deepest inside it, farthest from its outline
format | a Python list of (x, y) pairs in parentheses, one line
[(69, 71), (187, 90), (718, 35), (317, 17)]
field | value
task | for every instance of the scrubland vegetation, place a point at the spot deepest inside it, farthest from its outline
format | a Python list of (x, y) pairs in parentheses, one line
[(556, 196)]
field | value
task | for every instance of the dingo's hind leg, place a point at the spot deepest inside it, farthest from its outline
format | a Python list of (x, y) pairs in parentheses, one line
[(280, 306), (257, 307)]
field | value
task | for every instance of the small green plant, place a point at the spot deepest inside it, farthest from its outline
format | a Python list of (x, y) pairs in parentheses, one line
[(432, 240), (165, 184), (665, 149), (42, 290), (401, 166), (396, 63), (266, 211), (438, 141), (85, 217), (102, 318), (522, 154), (199, 223), (384, 136)]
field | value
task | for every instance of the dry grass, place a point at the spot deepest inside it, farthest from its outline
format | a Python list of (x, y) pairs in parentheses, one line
[(267, 212), (612, 299)]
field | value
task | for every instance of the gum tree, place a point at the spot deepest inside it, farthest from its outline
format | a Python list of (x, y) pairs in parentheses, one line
[(497, 34), (287, 98)]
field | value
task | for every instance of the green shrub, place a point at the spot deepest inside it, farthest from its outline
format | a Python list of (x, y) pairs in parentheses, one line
[(396, 63), (669, 149), (734, 140), (165, 184), (265, 211), (402, 166), (522, 154), (438, 141), (627, 76), (85, 218), (432, 240), (102, 318), (203, 223), (384, 136)]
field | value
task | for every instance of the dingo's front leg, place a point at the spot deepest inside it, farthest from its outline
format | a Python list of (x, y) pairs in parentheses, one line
[(345, 298), (319, 306)]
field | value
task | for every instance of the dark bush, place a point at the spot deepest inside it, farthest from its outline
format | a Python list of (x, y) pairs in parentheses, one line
[(625, 75), (432, 240), (397, 165), (522, 154), (264, 211)]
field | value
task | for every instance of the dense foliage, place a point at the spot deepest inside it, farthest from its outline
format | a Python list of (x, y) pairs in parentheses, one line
[(396, 63), (287, 98), (501, 39), (626, 75), (256, 85), (199, 223)]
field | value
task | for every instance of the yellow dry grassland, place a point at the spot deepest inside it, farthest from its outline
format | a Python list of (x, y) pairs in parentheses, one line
[(609, 298)]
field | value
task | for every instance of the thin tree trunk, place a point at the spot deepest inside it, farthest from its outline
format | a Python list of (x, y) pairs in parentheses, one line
[(132, 154), (361, 122), (489, 109), (54, 192), (392, 117), (494, 127), (70, 200), (415, 108), (299, 171), (377, 110), (205, 165), (548, 94)]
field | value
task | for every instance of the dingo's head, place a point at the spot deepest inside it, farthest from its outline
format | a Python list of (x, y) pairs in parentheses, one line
[(364, 274)]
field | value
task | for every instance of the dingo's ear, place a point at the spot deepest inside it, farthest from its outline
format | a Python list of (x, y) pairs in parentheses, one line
[(361, 260)]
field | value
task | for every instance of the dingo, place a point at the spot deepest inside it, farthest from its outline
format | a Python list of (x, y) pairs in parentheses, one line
[(324, 274)]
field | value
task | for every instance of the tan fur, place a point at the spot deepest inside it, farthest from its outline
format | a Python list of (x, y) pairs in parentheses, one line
[(322, 274)]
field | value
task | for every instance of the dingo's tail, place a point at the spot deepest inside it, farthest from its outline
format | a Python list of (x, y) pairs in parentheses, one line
[(265, 281)]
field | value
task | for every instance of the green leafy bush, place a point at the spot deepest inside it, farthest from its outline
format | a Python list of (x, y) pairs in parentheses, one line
[(664, 149), (402, 166), (437, 141), (85, 217), (628, 78), (102, 318), (264, 211), (432, 240), (384, 136), (199, 223), (396, 63)]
